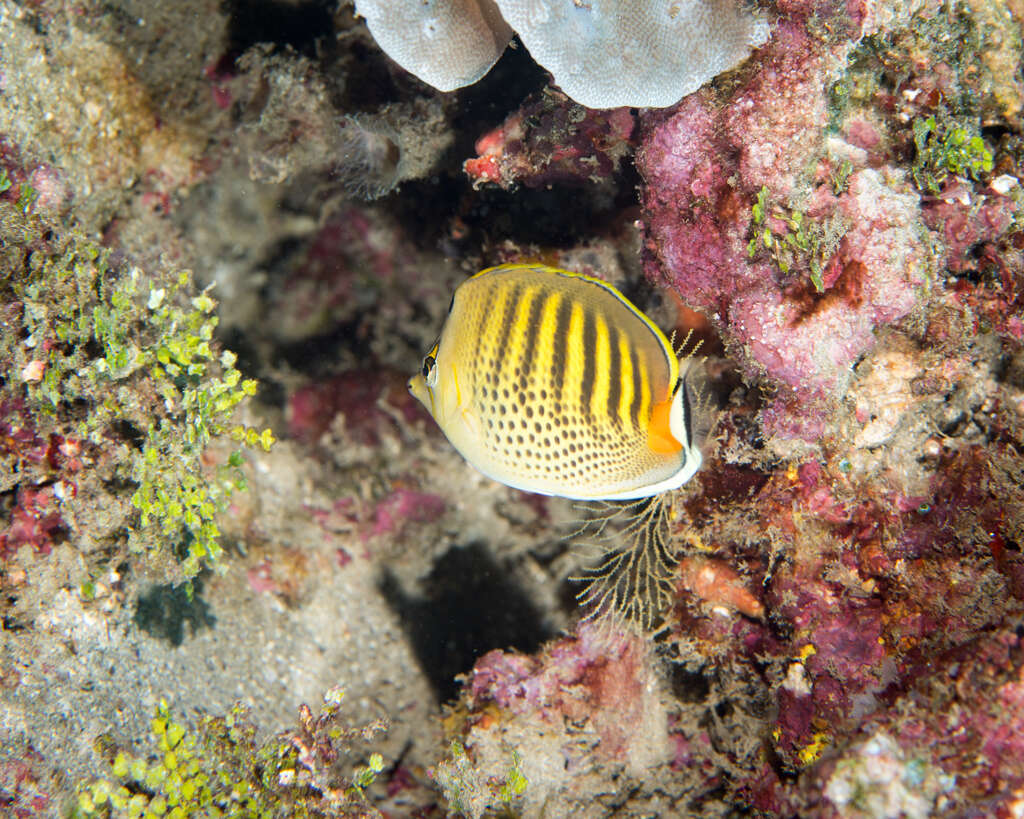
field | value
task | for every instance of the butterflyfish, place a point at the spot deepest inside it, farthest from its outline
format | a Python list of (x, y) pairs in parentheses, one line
[(554, 382)]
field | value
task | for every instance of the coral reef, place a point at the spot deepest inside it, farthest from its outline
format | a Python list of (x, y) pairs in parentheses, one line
[(848, 229), (804, 318), (295, 134), (837, 220), (22, 791), (905, 762), (787, 218), (78, 114)]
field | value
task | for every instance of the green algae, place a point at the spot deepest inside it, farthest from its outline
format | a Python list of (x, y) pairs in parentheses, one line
[(220, 769), (121, 365)]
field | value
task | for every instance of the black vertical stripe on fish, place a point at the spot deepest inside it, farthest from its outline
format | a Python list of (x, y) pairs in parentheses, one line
[(686, 414), (560, 346), (614, 375), (508, 318), (589, 349), (638, 396), (527, 362)]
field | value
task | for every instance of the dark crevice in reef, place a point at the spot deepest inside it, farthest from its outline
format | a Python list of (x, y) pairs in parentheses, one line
[(298, 25), (688, 686), (557, 217), (470, 607), (316, 356), (553, 217)]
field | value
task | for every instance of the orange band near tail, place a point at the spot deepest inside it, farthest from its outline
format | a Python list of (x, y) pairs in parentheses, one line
[(659, 436)]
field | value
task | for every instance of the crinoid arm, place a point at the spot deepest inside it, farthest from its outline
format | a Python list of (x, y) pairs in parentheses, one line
[(632, 585)]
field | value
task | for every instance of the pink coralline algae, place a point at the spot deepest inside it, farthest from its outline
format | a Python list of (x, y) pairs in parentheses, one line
[(590, 676), (586, 707), (347, 252), (705, 165), (875, 618), (970, 762), (405, 505), (35, 518), (35, 521), (260, 578), (983, 246), (966, 221), (358, 396), (22, 794)]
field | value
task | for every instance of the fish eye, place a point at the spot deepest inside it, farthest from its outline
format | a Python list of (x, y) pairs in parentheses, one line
[(430, 370)]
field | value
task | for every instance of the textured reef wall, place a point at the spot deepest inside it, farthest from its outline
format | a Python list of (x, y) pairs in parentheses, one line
[(837, 219)]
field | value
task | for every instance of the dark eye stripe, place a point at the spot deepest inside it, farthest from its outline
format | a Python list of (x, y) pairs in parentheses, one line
[(428, 365)]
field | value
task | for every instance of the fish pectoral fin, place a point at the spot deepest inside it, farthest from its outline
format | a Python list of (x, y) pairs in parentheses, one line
[(472, 421)]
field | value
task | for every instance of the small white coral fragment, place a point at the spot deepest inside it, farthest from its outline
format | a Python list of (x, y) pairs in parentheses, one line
[(641, 53), (796, 681), (446, 43), (875, 778), (883, 396)]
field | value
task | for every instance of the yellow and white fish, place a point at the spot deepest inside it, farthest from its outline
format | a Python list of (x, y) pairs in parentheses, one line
[(553, 382)]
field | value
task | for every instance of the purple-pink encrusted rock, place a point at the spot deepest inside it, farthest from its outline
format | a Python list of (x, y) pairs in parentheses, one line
[(704, 164)]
